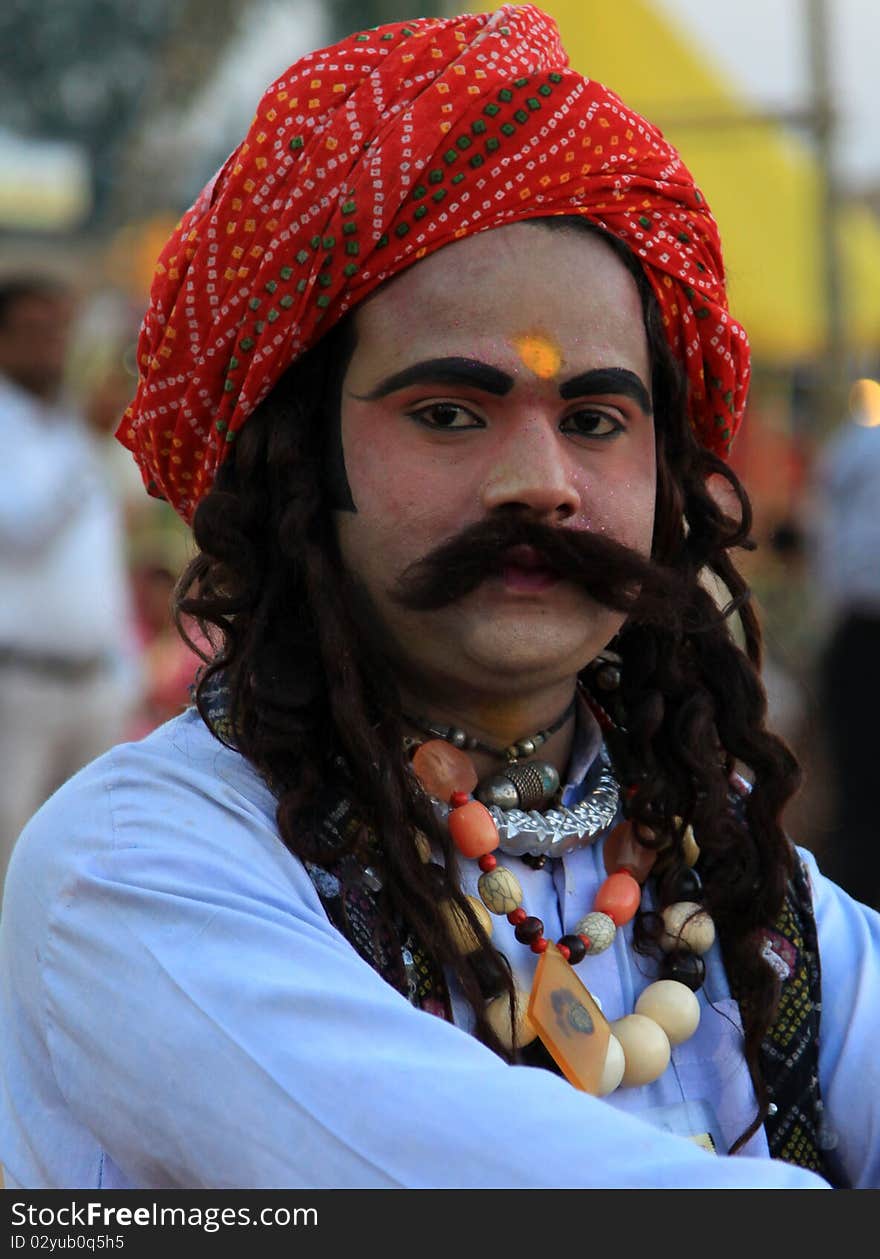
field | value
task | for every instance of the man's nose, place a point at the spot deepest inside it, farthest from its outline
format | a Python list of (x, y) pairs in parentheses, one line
[(533, 470)]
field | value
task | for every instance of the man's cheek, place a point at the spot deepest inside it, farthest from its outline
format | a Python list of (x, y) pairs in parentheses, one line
[(382, 493), (631, 518), (405, 507)]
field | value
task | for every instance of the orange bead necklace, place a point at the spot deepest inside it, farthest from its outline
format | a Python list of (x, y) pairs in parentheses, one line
[(475, 835), (592, 1055)]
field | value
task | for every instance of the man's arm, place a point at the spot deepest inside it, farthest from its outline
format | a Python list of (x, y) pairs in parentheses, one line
[(849, 955)]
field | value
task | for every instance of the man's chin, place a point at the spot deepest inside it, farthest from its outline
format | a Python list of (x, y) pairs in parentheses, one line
[(532, 641)]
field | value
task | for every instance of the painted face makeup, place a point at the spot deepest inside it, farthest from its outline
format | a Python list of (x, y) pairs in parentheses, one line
[(456, 408), (539, 354)]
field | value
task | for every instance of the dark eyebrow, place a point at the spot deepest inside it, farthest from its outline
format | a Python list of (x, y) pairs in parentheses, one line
[(608, 380), (443, 371)]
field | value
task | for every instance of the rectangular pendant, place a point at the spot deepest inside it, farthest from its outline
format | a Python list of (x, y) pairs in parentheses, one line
[(569, 1022)]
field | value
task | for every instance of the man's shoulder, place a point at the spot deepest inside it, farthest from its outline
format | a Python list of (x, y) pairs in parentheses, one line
[(181, 756), (178, 793)]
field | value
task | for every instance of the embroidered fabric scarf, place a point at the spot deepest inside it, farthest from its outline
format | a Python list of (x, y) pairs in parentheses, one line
[(365, 157)]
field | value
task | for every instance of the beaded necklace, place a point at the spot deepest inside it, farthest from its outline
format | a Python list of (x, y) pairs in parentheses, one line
[(592, 1054), (527, 746), (518, 796)]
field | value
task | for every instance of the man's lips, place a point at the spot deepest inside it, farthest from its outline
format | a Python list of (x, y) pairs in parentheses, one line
[(525, 570)]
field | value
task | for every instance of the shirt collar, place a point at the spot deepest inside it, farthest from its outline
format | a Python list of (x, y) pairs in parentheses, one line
[(586, 745)]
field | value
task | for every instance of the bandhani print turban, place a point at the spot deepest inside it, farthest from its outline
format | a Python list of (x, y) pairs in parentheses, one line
[(365, 157)]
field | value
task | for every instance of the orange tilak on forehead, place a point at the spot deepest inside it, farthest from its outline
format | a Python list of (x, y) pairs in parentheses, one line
[(540, 354)]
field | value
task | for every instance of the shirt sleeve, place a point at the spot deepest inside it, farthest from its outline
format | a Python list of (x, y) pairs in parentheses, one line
[(849, 1070), (212, 1030)]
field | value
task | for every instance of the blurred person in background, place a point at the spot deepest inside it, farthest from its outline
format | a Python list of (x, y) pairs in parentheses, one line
[(67, 671), (847, 567), (783, 590), (103, 375), (156, 539), (450, 878)]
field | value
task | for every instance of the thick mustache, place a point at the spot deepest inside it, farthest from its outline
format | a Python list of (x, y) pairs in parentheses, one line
[(609, 572)]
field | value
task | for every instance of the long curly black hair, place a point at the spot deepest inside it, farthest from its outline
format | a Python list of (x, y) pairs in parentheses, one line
[(308, 689)]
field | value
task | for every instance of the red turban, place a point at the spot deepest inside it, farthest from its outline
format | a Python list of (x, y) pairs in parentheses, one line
[(365, 157)]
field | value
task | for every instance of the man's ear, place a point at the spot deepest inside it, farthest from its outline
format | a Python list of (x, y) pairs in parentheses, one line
[(342, 342), (724, 496)]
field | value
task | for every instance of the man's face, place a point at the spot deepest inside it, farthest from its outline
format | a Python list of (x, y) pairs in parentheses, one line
[(34, 340), (551, 412)]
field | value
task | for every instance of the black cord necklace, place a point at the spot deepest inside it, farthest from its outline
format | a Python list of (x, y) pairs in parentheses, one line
[(461, 739)]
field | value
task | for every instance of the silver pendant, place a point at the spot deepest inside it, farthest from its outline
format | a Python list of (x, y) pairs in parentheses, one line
[(527, 786)]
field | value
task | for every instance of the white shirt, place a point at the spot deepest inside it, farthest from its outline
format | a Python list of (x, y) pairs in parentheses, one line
[(63, 582)]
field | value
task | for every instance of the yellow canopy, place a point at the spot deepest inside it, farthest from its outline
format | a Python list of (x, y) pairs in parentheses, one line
[(760, 179)]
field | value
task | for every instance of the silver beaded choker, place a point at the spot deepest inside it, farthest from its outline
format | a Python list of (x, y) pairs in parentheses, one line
[(529, 833)]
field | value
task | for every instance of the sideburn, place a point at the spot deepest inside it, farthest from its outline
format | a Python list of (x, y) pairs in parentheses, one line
[(336, 483)]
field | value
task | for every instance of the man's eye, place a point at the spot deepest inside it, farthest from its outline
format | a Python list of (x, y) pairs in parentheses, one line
[(445, 415), (591, 424)]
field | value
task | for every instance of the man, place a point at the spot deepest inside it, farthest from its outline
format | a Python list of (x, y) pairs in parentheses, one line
[(65, 670), (470, 701), (847, 579)]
